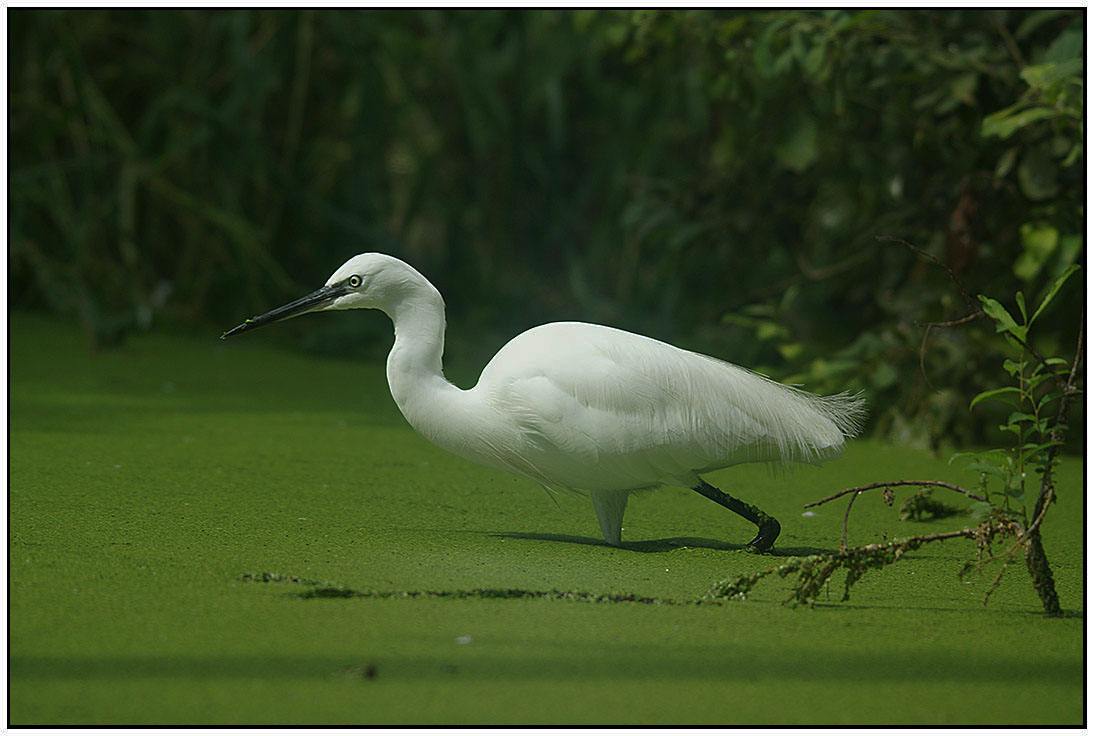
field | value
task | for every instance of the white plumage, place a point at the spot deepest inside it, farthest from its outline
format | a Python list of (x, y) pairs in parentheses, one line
[(585, 407)]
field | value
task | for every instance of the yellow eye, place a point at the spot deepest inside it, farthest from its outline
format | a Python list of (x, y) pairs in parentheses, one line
[(354, 281)]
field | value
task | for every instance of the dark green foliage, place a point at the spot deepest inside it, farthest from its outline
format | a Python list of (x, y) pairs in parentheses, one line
[(713, 177)]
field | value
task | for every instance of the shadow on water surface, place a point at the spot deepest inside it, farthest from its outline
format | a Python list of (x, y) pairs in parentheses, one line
[(651, 545), (662, 545)]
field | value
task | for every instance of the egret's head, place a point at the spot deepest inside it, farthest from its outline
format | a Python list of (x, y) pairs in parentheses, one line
[(366, 281)]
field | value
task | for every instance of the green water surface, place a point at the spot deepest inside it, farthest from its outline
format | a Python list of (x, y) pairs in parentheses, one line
[(150, 487)]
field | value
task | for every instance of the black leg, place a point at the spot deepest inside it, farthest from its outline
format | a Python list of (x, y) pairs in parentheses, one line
[(769, 528)]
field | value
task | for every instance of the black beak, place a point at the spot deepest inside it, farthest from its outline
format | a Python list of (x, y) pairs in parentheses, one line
[(313, 301)]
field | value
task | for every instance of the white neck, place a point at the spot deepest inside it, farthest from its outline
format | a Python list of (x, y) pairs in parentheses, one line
[(432, 405), (415, 359)]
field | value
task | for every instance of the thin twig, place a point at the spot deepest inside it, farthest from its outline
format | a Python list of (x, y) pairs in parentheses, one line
[(1008, 557), (922, 361), (925, 254), (951, 323), (921, 483), (846, 516), (1008, 39), (965, 532), (927, 333), (998, 577), (1078, 350)]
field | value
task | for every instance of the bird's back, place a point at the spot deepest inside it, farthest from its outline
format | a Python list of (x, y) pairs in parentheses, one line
[(590, 407)]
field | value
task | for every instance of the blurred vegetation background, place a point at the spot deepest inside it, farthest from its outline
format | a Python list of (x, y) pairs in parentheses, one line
[(715, 178)]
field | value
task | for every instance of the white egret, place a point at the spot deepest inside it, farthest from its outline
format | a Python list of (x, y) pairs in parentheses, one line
[(584, 407)]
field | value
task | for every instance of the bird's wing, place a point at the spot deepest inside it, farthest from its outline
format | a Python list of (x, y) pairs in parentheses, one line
[(594, 393), (595, 396)]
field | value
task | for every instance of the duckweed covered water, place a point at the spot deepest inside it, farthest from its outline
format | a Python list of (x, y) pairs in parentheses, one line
[(177, 507)]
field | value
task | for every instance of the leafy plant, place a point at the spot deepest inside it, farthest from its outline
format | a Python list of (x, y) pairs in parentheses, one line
[(1039, 399), (1035, 402)]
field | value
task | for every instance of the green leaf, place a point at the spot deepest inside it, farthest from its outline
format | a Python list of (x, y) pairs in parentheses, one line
[(997, 456), (1021, 299), (1066, 49), (963, 87), (762, 57), (1004, 123), (985, 468), (1034, 450), (771, 331), (1036, 19), (884, 376), (981, 510), (1011, 367), (1006, 162), (814, 60), (791, 351), (1003, 320), (797, 44), (1073, 155), (727, 29), (799, 147), (1070, 245), (1053, 289), (1037, 174), (995, 393), (759, 310), (1054, 85), (1039, 241), (742, 321), (1050, 396)]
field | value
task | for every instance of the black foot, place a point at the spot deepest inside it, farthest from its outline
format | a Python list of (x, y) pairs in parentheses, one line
[(766, 536)]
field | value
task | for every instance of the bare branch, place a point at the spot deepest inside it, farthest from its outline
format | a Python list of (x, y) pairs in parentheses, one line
[(925, 254), (951, 323), (923, 355), (998, 577), (814, 571), (927, 333), (920, 483)]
